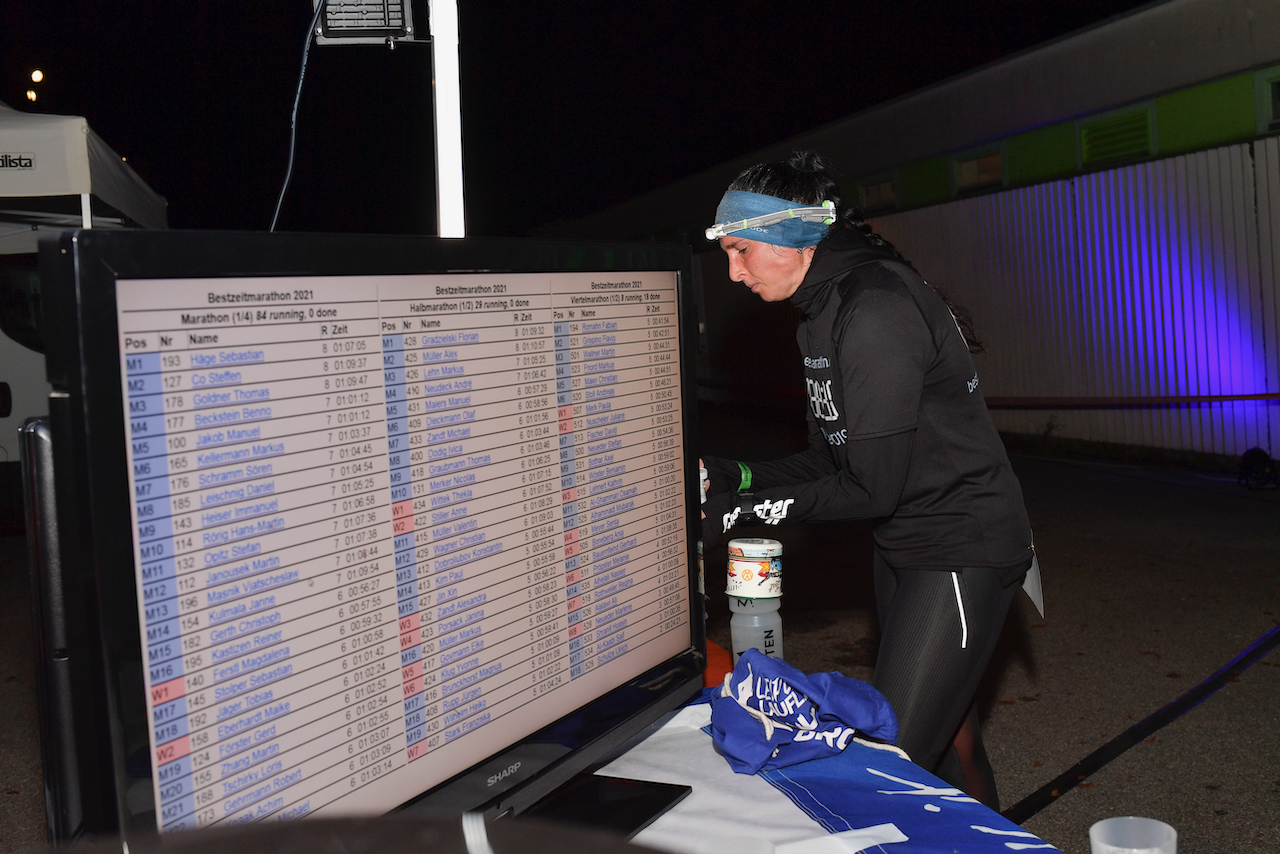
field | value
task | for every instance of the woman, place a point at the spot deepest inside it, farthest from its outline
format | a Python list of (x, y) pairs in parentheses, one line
[(898, 433)]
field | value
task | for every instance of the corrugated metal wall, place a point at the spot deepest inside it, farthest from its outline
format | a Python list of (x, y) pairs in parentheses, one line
[(1267, 172), (1158, 279)]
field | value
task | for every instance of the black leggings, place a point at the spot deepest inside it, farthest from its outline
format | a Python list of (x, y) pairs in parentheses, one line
[(937, 633)]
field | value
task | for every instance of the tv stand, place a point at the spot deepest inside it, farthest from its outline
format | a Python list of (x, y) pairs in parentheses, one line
[(609, 803)]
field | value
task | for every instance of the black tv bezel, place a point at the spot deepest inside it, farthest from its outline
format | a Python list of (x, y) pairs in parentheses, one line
[(79, 269)]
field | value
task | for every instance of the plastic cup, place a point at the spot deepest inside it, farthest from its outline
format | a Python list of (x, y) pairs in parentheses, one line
[(1132, 835)]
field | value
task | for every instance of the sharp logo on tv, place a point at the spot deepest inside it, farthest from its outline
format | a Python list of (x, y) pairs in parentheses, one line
[(17, 160), (502, 775)]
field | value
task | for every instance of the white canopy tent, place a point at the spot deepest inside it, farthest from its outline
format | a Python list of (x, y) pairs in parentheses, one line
[(56, 173)]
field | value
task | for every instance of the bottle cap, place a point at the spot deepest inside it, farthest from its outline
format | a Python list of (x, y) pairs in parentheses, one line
[(754, 547)]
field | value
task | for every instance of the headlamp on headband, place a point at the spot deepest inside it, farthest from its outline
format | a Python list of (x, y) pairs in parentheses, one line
[(826, 214)]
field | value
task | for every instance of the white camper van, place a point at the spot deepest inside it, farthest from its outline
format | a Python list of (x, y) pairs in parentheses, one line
[(55, 173)]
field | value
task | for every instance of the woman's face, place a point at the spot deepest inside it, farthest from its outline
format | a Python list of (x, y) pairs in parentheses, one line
[(773, 273)]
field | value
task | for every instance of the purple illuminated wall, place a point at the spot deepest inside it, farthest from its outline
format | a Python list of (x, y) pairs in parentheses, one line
[(1157, 279)]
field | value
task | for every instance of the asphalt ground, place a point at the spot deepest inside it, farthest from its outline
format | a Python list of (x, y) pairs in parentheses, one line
[(22, 822), (1155, 578)]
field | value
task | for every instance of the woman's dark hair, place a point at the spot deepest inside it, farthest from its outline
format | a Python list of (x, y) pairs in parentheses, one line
[(806, 177), (809, 179)]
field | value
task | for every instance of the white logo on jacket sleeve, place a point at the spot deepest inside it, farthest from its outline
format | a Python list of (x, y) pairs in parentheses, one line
[(973, 383), (773, 512), (820, 400), (770, 512)]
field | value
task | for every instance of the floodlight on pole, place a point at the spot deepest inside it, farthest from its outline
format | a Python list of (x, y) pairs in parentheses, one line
[(365, 22), (390, 21)]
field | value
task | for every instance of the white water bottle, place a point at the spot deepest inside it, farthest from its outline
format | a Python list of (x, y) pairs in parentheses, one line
[(755, 624), (754, 587)]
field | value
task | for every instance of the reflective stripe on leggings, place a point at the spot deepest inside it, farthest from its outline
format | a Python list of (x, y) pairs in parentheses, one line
[(964, 625)]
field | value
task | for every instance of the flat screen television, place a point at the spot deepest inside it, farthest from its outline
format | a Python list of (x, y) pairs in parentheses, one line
[(349, 524)]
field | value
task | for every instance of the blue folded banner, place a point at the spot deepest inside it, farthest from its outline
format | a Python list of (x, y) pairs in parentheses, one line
[(769, 715), (863, 788)]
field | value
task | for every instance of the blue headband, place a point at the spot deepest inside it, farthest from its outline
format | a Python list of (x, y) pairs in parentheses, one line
[(800, 226)]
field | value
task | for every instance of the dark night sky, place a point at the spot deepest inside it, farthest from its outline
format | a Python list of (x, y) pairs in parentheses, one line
[(567, 107)]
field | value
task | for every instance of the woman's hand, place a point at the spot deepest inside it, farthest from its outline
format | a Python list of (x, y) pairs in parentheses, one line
[(716, 512)]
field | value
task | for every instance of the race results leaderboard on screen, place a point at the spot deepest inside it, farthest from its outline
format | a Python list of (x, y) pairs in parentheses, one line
[(387, 524)]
